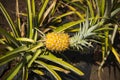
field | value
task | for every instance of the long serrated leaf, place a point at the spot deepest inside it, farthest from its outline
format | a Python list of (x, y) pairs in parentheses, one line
[(59, 69), (26, 40), (35, 47), (35, 23), (9, 37), (93, 28), (38, 72), (49, 69), (9, 20), (90, 8), (63, 15), (43, 7), (103, 51), (33, 8), (86, 22), (8, 59), (107, 9), (25, 76), (27, 57), (97, 7), (48, 11), (10, 53), (106, 40), (103, 29), (30, 22), (77, 5), (14, 71), (35, 55), (67, 25), (117, 56), (115, 12), (62, 63), (18, 17), (102, 7), (75, 11)]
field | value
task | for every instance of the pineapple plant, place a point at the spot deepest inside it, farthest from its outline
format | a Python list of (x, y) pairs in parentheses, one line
[(31, 50), (59, 41)]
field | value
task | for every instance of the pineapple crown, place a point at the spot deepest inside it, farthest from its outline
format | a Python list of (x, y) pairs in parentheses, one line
[(83, 38)]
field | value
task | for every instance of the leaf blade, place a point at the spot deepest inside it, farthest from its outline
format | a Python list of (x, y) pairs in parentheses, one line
[(49, 69), (62, 63)]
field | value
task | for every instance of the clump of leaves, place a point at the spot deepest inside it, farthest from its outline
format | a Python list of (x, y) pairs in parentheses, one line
[(25, 44)]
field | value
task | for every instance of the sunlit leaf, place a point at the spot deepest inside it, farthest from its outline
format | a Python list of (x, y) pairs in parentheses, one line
[(49, 69), (117, 56), (77, 5), (25, 40), (63, 15), (62, 63), (48, 11), (35, 47), (30, 22), (67, 25), (12, 54), (59, 69), (90, 8), (42, 9), (38, 72), (35, 55)]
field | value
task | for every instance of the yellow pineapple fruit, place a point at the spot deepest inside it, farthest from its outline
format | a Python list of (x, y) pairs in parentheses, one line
[(57, 41)]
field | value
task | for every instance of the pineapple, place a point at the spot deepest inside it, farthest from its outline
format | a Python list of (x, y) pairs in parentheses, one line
[(57, 41)]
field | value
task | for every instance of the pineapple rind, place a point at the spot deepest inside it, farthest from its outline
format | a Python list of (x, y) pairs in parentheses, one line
[(57, 41)]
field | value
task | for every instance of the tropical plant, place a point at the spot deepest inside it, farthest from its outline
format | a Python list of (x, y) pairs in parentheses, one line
[(32, 45), (25, 44)]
